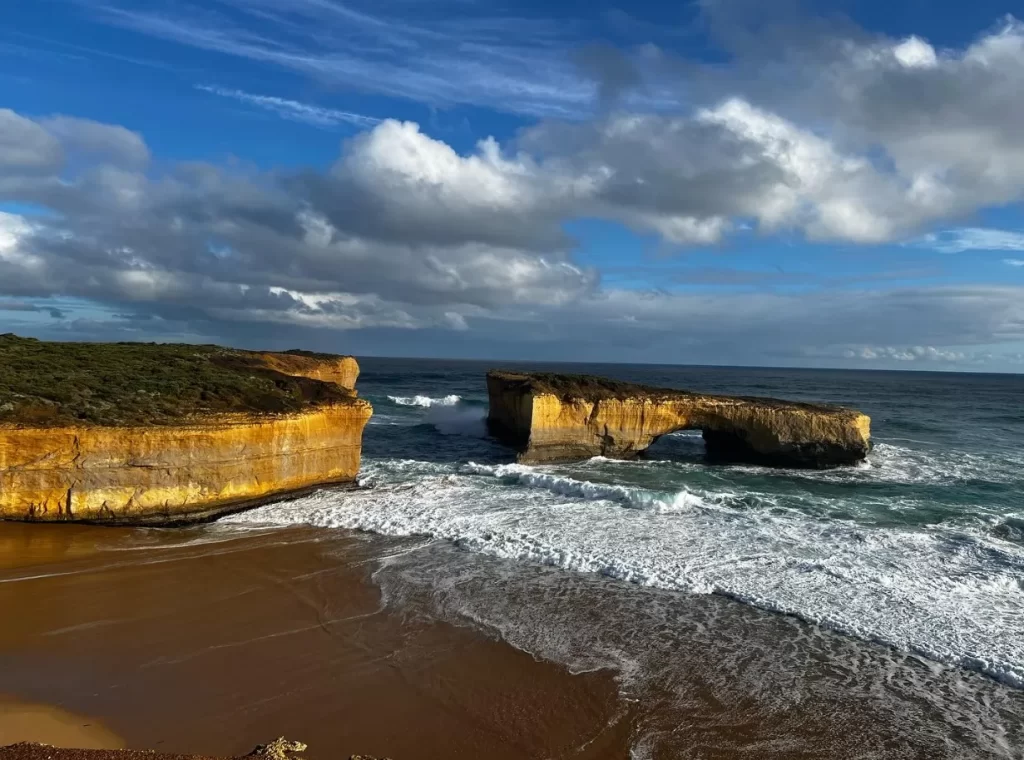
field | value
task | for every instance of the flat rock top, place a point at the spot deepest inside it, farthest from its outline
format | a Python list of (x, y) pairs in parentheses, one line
[(44, 384), (593, 388)]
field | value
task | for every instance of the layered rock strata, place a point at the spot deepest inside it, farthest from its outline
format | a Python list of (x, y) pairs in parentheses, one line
[(551, 418), (198, 469)]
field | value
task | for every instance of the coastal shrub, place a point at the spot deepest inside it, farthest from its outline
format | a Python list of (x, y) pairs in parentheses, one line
[(50, 384)]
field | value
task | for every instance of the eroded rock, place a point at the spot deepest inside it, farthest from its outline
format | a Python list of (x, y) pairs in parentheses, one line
[(198, 467), (550, 418)]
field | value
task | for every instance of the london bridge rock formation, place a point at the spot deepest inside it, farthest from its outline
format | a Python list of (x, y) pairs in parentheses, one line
[(144, 433), (551, 418)]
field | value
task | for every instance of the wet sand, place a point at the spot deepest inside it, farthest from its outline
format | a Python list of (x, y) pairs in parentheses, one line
[(211, 640), (20, 722), (281, 749), (199, 641)]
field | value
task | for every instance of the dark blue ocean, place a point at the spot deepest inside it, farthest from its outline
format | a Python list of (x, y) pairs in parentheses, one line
[(901, 580)]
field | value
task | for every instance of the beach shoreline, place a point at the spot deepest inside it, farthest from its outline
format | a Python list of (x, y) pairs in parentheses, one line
[(200, 641), (211, 640)]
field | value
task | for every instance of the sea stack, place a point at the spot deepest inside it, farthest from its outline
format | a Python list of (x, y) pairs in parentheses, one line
[(157, 434), (558, 418)]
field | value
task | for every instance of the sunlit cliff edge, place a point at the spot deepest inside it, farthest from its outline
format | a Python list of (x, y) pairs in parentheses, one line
[(281, 423), (550, 418)]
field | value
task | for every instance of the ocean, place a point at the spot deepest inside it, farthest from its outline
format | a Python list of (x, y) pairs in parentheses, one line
[(891, 592)]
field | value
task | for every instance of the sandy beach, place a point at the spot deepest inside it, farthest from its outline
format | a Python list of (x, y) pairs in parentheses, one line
[(214, 639), (183, 641)]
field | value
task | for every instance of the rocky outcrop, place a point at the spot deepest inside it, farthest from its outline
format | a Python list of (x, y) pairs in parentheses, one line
[(340, 370), (190, 471), (551, 418)]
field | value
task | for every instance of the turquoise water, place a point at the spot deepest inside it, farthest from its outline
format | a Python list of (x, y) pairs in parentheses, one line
[(919, 552)]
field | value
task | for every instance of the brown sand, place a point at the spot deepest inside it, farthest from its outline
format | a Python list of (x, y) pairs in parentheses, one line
[(280, 749), (35, 751), (181, 644), (43, 723)]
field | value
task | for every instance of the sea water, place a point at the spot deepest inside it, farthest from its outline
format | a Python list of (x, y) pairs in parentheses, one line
[(906, 569)]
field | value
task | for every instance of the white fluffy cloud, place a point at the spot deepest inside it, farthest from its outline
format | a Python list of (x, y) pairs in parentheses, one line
[(349, 249), (884, 141)]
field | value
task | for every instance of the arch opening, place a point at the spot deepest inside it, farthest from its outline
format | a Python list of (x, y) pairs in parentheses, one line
[(683, 445)]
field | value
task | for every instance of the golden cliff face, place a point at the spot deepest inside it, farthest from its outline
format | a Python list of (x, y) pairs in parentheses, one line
[(340, 370), (161, 474), (550, 420)]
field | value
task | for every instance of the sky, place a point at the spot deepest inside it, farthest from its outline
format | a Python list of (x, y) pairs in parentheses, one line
[(818, 184)]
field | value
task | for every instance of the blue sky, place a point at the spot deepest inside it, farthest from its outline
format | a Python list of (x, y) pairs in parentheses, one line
[(808, 184)]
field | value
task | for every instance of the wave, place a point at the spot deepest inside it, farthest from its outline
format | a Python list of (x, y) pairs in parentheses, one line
[(900, 465), (425, 401), (940, 593), (460, 419), (636, 498), (705, 645)]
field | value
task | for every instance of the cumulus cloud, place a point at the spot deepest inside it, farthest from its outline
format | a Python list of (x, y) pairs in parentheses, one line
[(905, 137), (882, 140), (347, 249), (405, 233), (915, 53), (25, 145), (108, 143)]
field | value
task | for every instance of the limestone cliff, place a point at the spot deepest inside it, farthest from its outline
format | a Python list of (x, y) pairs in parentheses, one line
[(340, 370), (196, 467), (563, 418)]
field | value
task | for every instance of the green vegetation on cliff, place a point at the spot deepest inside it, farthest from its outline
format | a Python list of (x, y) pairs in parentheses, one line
[(593, 388), (113, 384), (567, 386)]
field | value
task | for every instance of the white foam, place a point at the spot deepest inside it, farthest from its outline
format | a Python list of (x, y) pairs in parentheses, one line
[(459, 420), (425, 401), (788, 675), (637, 498), (948, 596)]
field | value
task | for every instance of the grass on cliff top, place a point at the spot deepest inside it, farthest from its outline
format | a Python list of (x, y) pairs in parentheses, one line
[(580, 386), (592, 387), (51, 384)]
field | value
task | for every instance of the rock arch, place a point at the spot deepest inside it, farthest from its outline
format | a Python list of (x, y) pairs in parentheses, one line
[(550, 418)]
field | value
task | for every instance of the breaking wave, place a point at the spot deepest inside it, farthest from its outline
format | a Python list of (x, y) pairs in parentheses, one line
[(937, 591), (425, 401)]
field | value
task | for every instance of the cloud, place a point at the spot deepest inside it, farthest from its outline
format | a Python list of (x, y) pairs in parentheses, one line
[(972, 239), (613, 71), (403, 233), (470, 56), (907, 354), (293, 110), (26, 145), (870, 140), (915, 53), (111, 144), (813, 126), (8, 305), (1014, 262), (328, 250)]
